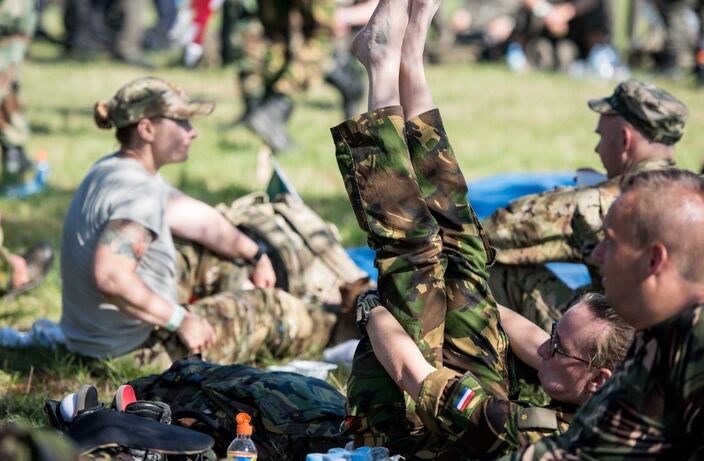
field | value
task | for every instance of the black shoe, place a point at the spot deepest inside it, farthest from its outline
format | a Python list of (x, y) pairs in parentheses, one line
[(39, 259), (268, 121), (151, 409), (250, 104), (347, 79)]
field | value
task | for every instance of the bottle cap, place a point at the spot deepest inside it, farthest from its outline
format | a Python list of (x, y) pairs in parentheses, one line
[(243, 426)]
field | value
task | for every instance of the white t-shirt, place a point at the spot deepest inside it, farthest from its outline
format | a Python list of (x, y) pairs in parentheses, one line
[(114, 188)]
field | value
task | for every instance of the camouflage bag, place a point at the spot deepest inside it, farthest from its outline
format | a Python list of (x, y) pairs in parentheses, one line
[(309, 261), (292, 415)]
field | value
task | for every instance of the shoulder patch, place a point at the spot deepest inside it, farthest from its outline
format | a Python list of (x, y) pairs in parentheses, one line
[(537, 418)]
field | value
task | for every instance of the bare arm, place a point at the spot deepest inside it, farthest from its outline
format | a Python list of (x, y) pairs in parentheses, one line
[(120, 248), (193, 220), (397, 352), (558, 16), (524, 336)]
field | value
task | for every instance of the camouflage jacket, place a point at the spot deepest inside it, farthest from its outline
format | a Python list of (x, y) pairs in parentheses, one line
[(479, 425), (650, 408), (564, 224)]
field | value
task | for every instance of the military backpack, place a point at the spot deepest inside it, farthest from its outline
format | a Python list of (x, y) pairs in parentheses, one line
[(305, 250), (292, 414)]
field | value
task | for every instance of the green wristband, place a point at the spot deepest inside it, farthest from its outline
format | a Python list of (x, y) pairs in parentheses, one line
[(176, 318)]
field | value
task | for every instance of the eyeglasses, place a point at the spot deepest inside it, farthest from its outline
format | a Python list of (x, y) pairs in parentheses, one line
[(555, 348)]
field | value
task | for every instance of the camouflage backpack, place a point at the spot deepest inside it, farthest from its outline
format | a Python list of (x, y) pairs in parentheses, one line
[(309, 260), (292, 414)]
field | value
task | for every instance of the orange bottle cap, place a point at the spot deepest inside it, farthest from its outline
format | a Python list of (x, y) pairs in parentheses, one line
[(243, 426)]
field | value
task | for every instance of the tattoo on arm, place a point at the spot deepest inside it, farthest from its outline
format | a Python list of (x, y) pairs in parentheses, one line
[(126, 238)]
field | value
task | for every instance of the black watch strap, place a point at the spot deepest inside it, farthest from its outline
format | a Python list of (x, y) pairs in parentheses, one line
[(367, 301), (261, 251)]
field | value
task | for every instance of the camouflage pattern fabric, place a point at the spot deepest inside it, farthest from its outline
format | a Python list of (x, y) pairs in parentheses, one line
[(17, 22), (459, 410), (403, 180), (249, 324), (649, 409), (151, 97), (21, 443), (292, 414), (534, 289), (655, 112), (279, 46), (473, 338), (563, 225)]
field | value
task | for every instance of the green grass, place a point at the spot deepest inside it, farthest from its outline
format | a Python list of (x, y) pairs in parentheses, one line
[(497, 121)]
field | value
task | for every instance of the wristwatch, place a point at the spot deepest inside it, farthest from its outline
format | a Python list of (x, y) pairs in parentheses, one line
[(367, 301), (261, 251)]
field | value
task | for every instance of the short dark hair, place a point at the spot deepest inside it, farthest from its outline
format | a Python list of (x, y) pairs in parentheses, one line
[(125, 134)]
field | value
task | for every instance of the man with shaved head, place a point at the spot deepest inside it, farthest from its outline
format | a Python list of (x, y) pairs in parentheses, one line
[(652, 273)]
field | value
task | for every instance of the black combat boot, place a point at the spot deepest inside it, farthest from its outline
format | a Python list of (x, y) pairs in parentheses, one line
[(268, 121)]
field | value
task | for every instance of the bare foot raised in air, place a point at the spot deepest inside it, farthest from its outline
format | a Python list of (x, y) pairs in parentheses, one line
[(420, 17), (414, 93), (378, 47)]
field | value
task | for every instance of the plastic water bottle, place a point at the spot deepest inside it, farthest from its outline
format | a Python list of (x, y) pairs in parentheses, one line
[(242, 447)]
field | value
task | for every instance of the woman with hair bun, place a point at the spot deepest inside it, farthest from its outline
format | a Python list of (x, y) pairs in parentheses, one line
[(127, 288)]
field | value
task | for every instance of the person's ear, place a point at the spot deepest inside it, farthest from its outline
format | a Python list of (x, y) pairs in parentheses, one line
[(599, 378), (658, 258), (146, 129), (627, 138)]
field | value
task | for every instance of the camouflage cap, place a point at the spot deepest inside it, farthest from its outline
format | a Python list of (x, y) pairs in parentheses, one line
[(655, 112), (151, 97)]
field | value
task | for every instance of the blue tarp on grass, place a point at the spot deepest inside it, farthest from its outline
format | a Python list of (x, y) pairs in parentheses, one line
[(488, 194)]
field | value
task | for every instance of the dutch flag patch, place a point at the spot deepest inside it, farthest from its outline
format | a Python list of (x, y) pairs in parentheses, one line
[(464, 398)]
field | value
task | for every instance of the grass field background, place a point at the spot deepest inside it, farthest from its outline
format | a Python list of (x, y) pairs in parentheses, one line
[(498, 122)]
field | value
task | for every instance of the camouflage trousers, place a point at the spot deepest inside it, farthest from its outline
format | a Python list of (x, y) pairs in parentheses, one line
[(249, 324), (279, 46), (410, 197), (533, 291)]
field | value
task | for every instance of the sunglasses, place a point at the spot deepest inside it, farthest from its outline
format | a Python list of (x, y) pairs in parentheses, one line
[(556, 349)]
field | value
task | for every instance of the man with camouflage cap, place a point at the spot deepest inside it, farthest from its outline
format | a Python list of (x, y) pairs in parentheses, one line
[(638, 127), (129, 290)]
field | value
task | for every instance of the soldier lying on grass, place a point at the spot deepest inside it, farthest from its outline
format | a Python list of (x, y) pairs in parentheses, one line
[(410, 196)]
